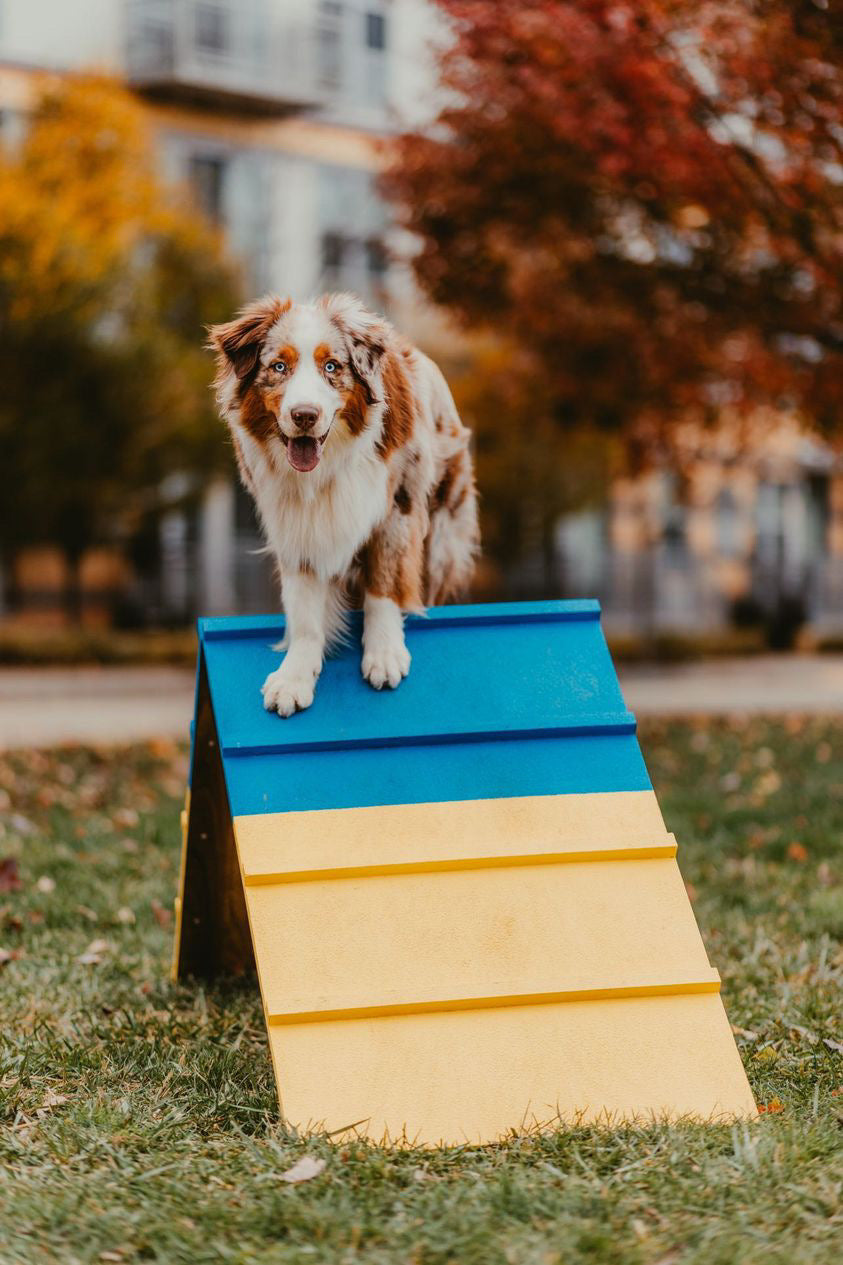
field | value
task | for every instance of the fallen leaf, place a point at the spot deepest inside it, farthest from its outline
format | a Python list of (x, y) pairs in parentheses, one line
[(304, 1170), (46, 884), (162, 916), (745, 1032), (767, 1055), (93, 954), (9, 875), (797, 851), (54, 1100), (125, 915), (10, 955), (771, 1108), (837, 1046)]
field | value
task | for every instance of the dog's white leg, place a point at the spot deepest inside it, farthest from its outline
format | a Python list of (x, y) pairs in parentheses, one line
[(386, 659), (291, 686)]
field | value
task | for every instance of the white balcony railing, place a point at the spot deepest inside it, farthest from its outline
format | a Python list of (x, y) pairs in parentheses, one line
[(244, 54)]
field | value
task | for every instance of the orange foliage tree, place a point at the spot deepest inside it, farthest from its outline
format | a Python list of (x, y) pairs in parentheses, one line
[(647, 198), (106, 283)]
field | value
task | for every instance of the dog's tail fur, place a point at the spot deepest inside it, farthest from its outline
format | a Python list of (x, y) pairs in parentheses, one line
[(453, 538)]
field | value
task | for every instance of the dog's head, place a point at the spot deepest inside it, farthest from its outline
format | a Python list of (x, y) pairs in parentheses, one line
[(299, 373)]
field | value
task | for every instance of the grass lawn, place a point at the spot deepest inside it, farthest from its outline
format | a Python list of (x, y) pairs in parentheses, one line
[(138, 1118)]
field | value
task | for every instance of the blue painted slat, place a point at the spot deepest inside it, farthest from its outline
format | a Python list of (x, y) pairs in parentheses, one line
[(466, 680), (566, 727), (363, 777), (241, 626)]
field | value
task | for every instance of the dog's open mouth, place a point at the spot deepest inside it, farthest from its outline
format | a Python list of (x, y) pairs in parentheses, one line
[(304, 451)]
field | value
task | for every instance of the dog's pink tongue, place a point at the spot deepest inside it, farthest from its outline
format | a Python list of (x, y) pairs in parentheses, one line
[(303, 453)]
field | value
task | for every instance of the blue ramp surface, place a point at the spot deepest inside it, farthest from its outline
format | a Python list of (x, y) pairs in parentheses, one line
[(501, 701)]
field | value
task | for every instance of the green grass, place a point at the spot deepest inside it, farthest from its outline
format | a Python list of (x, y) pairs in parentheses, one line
[(138, 1118)]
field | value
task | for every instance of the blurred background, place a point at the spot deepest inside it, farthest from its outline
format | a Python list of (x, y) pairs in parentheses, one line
[(618, 227)]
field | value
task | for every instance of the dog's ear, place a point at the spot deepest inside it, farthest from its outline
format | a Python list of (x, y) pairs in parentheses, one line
[(365, 336), (238, 343)]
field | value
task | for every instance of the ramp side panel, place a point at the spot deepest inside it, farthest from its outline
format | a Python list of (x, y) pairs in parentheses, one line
[(475, 1076), (212, 934)]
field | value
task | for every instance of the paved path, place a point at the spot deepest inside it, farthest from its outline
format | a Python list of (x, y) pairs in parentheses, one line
[(42, 707), (762, 683), (49, 706)]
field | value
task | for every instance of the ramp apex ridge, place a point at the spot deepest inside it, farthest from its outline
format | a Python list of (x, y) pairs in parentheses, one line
[(215, 628)]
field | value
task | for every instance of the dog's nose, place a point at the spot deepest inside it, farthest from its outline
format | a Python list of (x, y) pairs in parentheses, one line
[(305, 415)]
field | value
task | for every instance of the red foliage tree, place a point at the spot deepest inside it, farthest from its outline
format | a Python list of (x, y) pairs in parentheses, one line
[(647, 196)]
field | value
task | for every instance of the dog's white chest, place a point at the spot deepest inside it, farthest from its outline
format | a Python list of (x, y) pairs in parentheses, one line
[(320, 523)]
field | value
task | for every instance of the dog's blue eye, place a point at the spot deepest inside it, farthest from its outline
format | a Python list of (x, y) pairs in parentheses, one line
[(331, 366), (279, 366)]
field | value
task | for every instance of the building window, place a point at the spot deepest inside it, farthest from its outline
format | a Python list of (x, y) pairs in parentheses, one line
[(330, 43), (376, 31), (211, 28), (377, 260), (728, 524), (333, 251), (206, 176)]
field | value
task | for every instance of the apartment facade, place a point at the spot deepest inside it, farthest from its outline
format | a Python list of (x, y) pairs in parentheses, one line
[(270, 111), (752, 536)]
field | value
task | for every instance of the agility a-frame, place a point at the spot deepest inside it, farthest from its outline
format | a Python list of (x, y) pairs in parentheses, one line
[(463, 905)]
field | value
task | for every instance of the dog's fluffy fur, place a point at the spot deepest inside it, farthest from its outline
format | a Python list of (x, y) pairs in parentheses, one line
[(350, 443)]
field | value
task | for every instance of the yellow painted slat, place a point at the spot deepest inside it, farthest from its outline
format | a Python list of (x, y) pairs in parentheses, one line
[(500, 998), (398, 838), (472, 1076), (369, 943)]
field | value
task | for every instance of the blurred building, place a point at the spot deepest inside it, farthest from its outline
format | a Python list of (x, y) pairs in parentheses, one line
[(270, 111), (754, 537)]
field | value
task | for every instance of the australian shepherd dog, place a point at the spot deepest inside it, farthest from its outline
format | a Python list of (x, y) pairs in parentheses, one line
[(349, 441)]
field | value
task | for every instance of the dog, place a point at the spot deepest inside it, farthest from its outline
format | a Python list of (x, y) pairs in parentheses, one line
[(349, 441)]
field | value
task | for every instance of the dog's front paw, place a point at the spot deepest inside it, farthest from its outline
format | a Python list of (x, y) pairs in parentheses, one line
[(285, 692), (386, 665)]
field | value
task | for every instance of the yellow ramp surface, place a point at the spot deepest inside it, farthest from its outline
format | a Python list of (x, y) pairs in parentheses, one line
[(448, 972)]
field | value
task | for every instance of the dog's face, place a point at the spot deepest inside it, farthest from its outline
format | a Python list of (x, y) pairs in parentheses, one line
[(305, 372)]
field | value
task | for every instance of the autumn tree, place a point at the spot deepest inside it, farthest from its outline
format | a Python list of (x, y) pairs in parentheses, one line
[(646, 198), (529, 469), (106, 282)]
